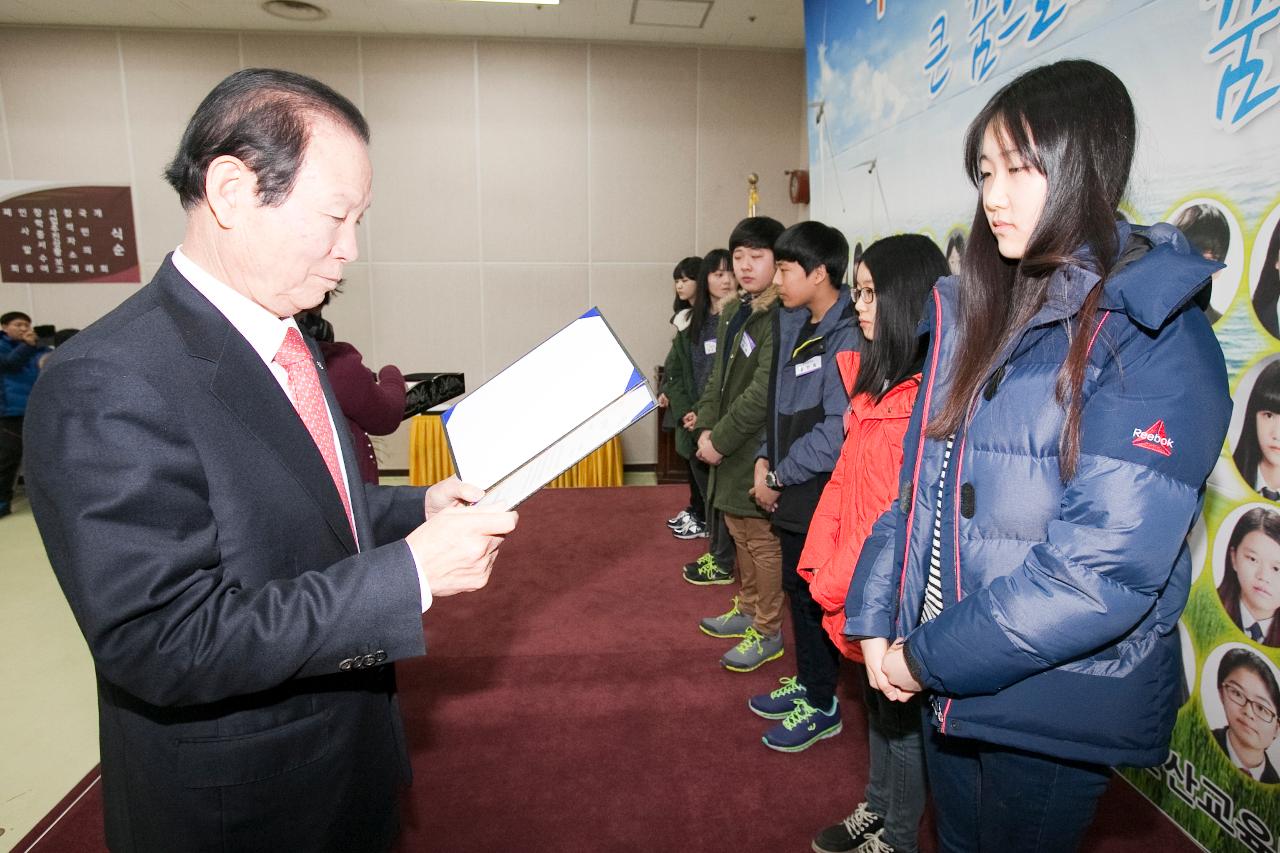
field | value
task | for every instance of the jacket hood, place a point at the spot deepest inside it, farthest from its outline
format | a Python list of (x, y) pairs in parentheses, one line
[(682, 318), (1167, 276), (764, 300), (1161, 273)]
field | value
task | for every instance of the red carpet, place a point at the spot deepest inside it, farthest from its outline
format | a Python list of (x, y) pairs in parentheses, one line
[(574, 706)]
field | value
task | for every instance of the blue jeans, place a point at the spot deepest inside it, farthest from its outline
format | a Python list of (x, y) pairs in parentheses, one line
[(995, 798), (897, 788)]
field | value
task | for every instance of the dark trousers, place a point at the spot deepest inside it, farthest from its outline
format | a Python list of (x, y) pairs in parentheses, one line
[(10, 456), (720, 544), (993, 798), (697, 491), (817, 658)]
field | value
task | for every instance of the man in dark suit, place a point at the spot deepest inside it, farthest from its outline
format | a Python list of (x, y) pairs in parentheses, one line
[(242, 592)]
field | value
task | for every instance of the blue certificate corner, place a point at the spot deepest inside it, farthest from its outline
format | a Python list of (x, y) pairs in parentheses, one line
[(593, 311), (636, 380), (648, 407), (446, 414)]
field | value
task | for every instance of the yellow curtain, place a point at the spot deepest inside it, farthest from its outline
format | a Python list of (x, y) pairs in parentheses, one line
[(429, 460)]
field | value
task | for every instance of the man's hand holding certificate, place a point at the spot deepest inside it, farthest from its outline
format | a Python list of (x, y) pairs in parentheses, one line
[(544, 413)]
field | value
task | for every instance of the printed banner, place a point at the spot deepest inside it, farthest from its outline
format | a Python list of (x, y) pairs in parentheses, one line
[(67, 234), (893, 84)]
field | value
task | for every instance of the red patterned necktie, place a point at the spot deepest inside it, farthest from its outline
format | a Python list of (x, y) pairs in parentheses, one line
[(308, 399)]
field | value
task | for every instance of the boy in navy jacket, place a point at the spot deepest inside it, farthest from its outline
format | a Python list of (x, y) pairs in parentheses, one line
[(804, 432)]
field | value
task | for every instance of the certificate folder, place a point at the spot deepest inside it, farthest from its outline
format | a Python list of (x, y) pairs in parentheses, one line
[(541, 415)]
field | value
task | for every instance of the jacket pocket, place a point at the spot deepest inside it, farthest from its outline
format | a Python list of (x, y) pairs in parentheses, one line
[(214, 762)]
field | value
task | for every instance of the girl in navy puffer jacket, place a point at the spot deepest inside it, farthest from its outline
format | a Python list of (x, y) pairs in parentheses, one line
[(1072, 405)]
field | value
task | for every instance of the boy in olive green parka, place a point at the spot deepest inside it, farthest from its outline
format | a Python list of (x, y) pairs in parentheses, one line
[(730, 423)]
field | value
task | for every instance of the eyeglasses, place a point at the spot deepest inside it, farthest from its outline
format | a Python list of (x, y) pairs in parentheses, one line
[(864, 294), (1263, 712)]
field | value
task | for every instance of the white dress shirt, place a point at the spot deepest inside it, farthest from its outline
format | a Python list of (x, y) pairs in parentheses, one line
[(1246, 619), (1255, 772)]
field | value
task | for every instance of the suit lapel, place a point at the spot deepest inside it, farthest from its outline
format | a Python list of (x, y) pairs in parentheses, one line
[(246, 386)]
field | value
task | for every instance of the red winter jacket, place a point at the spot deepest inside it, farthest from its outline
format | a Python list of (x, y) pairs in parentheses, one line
[(862, 486)]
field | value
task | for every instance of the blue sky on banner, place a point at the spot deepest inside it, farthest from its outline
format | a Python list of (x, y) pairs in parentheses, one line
[(1201, 73), (870, 70)]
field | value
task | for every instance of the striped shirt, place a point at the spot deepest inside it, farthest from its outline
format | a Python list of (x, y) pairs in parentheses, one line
[(933, 588)]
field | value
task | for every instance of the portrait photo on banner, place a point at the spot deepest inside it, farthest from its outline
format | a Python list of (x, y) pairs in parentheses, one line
[(1240, 697), (1215, 233), (1246, 571), (1254, 433)]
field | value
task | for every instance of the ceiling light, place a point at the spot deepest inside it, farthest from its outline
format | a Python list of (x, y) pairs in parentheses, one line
[(294, 10)]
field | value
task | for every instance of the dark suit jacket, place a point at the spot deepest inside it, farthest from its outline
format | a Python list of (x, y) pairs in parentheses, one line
[(242, 645), (1269, 775)]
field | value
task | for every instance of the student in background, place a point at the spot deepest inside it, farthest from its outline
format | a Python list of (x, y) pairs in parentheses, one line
[(1257, 452), (372, 403), (807, 402), (955, 251), (890, 288), (730, 423), (1250, 588), (1073, 402), (716, 286), (678, 395), (20, 359)]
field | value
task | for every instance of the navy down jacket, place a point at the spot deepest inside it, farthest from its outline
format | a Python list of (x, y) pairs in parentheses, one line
[(1060, 600)]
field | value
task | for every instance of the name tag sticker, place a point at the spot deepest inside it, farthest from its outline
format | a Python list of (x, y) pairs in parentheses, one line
[(748, 344), (809, 366), (709, 347)]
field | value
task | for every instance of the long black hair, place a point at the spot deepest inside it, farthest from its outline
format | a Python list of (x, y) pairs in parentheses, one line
[(1073, 121), (716, 260), (904, 268), (1265, 397)]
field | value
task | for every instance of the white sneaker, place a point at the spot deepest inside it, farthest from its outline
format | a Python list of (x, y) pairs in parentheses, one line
[(691, 529)]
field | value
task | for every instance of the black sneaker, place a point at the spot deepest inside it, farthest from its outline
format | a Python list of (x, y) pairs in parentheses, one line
[(874, 843), (705, 571), (849, 834)]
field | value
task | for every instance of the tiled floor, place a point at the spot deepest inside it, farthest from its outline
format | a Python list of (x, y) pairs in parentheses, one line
[(48, 709)]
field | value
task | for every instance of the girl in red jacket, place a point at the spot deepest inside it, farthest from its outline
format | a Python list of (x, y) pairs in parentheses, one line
[(891, 285)]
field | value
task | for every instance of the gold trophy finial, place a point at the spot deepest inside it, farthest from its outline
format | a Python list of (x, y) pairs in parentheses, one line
[(753, 195)]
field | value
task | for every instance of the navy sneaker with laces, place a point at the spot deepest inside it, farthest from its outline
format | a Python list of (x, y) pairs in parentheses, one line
[(803, 727), (779, 703)]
